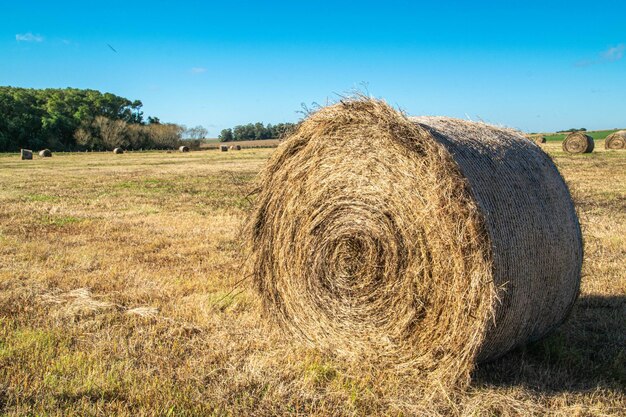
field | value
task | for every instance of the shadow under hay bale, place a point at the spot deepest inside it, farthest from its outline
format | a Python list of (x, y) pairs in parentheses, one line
[(118, 151), (183, 149), (26, 154), (425, 244), (45, 153), (616, 140), (224, 148), (578, 142)]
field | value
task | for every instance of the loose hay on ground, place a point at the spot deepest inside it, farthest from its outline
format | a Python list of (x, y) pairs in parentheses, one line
[(424, 245)]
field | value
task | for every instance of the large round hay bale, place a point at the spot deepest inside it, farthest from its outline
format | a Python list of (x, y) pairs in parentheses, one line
[(224, 148), (26, 154), (428, 244), (45, 153), (183, 149), (616, 140), (118, 151), (578, 142)]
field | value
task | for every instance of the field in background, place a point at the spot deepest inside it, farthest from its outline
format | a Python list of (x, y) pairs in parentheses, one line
[(264, 143), (121, 294), (596, 134)]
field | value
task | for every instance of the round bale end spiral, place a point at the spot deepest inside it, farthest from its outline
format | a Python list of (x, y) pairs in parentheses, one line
[(616, 140), (427, 243), (578, 142)]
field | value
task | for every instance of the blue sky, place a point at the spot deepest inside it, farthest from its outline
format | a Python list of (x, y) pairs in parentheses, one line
[(533, 65)]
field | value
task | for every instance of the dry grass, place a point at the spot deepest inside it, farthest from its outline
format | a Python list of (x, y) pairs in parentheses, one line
[(119, 295)]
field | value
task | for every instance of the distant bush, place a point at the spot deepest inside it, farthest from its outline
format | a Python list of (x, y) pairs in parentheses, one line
[(582, 129)]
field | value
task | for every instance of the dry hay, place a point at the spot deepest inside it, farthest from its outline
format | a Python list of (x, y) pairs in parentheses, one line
[(539, 140), (578, 142), (616, 140), (183, 149), (224, 148), (425, 245), (45, 153), (235, 148), (118, 151), (26, 154)]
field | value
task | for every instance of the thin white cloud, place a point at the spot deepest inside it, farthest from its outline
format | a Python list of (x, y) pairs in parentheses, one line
[(614, 53), (198, 70), (28, 37)]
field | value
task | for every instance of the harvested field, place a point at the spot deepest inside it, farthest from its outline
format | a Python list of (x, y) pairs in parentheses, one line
[(246, 144), (154, 319)]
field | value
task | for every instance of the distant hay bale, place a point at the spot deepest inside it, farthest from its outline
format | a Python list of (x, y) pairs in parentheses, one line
[(237, 147), (224, 148), (183, 149), (45, 153), (616, 140), (540, 139), (578, 142), (425, 244), (118, 151), (26, 154)]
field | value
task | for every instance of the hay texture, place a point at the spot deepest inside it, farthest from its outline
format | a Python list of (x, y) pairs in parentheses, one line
[(183, 149), (224, 148), (426, 244), (616, 140), (118, 151), (578, 142), (26, 154), (45, 153)]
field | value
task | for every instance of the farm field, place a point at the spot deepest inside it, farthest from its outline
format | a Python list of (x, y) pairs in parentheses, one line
[(263, 143), (596, 134), (122, 293)]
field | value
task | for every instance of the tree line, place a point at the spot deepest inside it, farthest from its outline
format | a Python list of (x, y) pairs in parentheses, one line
[(256, 131), (75, 119)]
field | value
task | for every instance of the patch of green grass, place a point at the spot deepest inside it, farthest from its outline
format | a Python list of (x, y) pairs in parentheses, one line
[(49, 220), (41, 197), (597, 134)]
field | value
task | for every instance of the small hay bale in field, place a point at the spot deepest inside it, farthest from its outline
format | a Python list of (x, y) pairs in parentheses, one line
[(237, 147), (26, 154), (183, 149), (424, 244), (224, 148), (540, 139), (118, 151), (578, 142), (616, 140), (45, 153)]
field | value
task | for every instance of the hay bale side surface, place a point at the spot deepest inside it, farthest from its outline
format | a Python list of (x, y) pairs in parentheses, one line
[(616, 140), (578, 142), (425, 244), (45, 153), (118, 151), (26, 154), (183, 149)]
